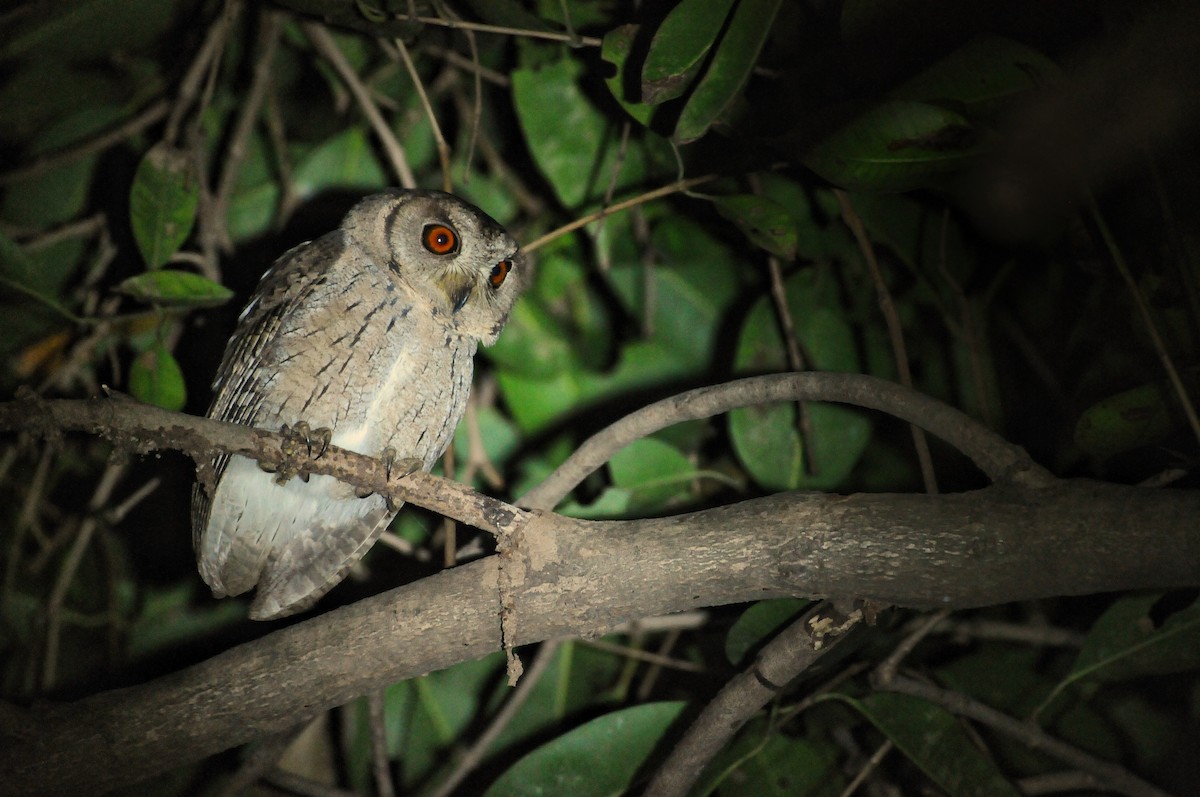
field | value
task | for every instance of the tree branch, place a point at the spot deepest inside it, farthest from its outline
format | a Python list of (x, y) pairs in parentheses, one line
[(136, 428), (572, 577), (583, 578), (999, 459)]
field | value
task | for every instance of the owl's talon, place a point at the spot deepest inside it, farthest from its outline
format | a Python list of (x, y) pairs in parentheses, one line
[(397, 467), (294, 436), (324, 435)]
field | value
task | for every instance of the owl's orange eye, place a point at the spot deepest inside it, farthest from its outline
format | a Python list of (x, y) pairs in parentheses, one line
[(439, 239), (499, 272)]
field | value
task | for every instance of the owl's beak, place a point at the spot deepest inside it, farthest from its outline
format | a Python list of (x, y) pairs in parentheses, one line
[(458, 288)]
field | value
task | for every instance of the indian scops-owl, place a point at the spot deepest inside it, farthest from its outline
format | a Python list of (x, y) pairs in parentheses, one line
[(368, 332)]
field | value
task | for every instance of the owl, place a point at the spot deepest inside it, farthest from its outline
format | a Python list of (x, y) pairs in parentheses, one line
[(365, 336)]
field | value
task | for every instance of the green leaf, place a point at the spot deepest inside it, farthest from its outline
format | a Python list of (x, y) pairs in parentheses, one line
[(729, 70), (346, 160), (767, 438), (19, 274), (775, 766), (597, 759), (162, 202), (253, 206), (613, 502), (652, 470), (575, 146), (932, 738), (155, 378), (1131, 419), (1126, 643), (765, 222), (560, 323), (759, 623), (169, 617), (172, 288), (615, 50), (897, 146), (536, 403), (981, 77), (678, 47), (684, 298), (579, 679)]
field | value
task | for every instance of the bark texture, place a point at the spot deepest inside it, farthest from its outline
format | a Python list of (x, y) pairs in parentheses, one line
[(576, 578)]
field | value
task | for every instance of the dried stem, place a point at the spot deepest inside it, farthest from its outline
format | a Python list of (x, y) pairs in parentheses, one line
[(895, 330), (640, 199), (327, 47)]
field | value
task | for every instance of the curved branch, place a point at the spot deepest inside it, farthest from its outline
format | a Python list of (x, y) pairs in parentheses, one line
[(1000, 460)]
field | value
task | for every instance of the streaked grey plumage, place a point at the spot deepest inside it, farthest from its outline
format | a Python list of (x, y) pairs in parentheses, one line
[(369, 332)]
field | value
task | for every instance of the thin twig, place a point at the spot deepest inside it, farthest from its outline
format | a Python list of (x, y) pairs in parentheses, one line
[(288, 199), (964, 631), (376, 703), (54, 606), (528, 199), (60, 157), (477, 72), (872, 764), (442, 147), (478, 460), (327, 47), (643, 655), (1160, 348), (462, 62), (654, 671), (80, 228), (449, 527), (1112, 776), (889, 666), (197, 70), (251, 107), (968, 324), (610, 189), (895, 330), (261, 760), (640, 199), (549, 35), (473, 757), (797, 362)]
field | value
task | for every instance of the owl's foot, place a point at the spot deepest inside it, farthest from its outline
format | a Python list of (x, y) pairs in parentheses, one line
[(300, 437), (395, 467)]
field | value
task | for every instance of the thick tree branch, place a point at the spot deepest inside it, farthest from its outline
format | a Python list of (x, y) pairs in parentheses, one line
[(582, 578), (571, 577)]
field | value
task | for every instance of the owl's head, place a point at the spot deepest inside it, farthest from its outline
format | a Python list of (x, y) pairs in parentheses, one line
[(447, 250)]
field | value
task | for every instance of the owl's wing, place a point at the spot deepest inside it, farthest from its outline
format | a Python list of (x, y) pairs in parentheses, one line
[(314, 559), (237, 387)]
